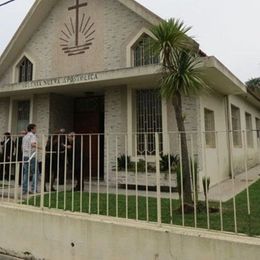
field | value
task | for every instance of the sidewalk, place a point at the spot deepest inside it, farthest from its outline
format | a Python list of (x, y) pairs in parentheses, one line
[(225, 191)]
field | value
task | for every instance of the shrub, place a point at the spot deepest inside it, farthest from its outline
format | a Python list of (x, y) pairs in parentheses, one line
[(164, 162), (122, 160)]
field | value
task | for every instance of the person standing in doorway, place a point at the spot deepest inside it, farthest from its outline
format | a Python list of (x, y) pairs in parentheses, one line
[(30, 164)]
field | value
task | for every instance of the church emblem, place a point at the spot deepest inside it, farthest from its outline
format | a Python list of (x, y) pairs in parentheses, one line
[(77, 35)]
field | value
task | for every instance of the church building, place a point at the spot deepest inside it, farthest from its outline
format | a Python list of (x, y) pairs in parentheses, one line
[(87, 66)]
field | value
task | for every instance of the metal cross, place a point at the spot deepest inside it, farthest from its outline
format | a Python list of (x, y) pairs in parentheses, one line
[(77, 6)]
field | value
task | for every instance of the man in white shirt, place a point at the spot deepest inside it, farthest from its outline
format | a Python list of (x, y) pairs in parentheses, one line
[(30, 164)]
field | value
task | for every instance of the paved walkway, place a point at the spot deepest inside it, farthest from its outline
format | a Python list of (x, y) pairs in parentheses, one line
[(226, 190)]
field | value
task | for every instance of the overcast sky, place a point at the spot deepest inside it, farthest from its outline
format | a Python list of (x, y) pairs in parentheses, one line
[(227, 29)]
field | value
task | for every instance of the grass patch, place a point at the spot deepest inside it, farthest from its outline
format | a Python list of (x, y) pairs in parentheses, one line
[(249, 224)]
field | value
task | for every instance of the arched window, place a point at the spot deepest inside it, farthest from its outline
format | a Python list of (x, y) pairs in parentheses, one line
[(143, 53), (25, 68)]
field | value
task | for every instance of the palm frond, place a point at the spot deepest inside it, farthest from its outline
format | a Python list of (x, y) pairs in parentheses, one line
[(169, 36), (184, 76)]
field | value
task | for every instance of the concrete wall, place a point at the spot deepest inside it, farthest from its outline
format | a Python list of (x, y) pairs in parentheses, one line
[(54, 235), (216, 159), (239, 152)]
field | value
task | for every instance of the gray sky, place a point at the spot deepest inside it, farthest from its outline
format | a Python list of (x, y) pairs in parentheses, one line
[(227, 29)]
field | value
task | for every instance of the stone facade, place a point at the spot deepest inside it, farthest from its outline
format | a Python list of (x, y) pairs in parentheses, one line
[(4, 114), (115, 123), (118, 32), (113, 32), (41, 115)]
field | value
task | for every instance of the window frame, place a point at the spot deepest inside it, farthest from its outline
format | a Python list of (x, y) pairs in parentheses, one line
[(249, 130), (148, 126), (210, 132), (152, 59), (236, 133), (12, 121), (257, 124), (26, 69)]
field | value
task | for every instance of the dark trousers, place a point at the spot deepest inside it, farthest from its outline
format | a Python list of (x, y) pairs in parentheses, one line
[(77, 178)]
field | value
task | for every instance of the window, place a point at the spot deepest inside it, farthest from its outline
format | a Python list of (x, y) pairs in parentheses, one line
[(257, 123), (143, 53), (25, 70), (209, 128), (149, 121), (249, 130), (23, 115), (236, 126)]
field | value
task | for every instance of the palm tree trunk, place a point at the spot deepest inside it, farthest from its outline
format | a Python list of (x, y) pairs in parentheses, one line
[(187, 194)]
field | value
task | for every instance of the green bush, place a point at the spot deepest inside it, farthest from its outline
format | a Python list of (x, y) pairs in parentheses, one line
[(122, 161), (164, 162)]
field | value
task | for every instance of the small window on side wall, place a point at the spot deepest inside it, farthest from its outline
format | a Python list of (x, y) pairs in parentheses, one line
[(25, 70), (210, 136), (143, 53), (249, 130), (257, 122), (236, 126)]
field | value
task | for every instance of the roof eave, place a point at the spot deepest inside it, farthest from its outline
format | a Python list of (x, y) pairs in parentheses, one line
[(220, 76)]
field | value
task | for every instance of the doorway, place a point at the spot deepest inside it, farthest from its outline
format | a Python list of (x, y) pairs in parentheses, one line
[(89, 120)]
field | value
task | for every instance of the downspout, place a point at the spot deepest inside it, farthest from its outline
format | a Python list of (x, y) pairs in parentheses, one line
[(229, 129)]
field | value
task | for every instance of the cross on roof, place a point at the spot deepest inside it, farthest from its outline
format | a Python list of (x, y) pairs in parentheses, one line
[(77, 6)]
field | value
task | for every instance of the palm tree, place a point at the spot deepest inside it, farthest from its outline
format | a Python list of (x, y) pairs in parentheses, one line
[(181, 76)]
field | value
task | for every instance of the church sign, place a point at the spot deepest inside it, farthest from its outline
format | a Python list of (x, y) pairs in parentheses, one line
[(75, 79), (77, 36), (54, 82)]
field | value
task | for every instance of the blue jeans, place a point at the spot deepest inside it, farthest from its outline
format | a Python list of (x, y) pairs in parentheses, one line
[(30, 168)]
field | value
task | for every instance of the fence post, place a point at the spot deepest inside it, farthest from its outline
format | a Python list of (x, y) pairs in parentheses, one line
[(17, 169), (158, 178), (42, 172)]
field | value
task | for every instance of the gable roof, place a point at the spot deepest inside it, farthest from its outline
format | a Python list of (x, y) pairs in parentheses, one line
[(36, 16)]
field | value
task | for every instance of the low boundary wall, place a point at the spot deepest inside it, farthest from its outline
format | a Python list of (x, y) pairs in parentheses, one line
[(51, 234)]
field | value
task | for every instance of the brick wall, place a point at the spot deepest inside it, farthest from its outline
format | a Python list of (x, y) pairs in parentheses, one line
[(121, 25), (115, 26), (115, 122), (41, 113), (4, 114)]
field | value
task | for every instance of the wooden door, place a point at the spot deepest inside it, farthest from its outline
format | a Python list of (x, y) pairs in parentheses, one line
[(89, 120)]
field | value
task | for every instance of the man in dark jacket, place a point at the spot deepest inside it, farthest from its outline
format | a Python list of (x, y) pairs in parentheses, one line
[(19, 153), (74, 159), (7, 155)]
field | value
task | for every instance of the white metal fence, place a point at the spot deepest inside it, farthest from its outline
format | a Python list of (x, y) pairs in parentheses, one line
[(200, 180)]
